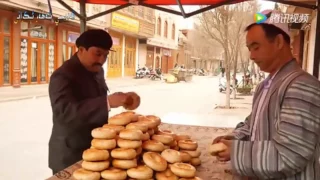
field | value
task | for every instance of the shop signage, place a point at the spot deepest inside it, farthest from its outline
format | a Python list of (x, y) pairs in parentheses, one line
[(125, 23), (160, 43), (38, 34), (166, 52)]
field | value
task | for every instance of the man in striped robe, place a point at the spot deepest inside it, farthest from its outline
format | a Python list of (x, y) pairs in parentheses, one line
[(280, 138)]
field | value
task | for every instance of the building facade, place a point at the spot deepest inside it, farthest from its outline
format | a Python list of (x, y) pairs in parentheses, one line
[(33, 48), (183, 53), (303, 38), (156, 52), (128, 27)]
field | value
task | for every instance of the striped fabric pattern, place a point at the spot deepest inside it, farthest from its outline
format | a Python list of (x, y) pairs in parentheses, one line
[(286, 144)]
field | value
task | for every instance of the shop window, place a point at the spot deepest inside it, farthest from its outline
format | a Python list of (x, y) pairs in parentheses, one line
[(159, 26), (6, 60), (130, 45), (141, 11), (38, 31), (6, 25), (64, 53), (72, 37), (34, 62), (43, 65), (51, 59), (70, 52), (24, 28), (166, 29), (149, 15), (111, 59), (24, 60), (64, 36), (116, 41), (131, 9), (173, 33), (52, 33)]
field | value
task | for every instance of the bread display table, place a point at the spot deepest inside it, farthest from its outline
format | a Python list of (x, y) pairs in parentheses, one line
[(210, 167)]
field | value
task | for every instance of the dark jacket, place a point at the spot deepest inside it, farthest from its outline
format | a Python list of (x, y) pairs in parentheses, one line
[(78, 100)]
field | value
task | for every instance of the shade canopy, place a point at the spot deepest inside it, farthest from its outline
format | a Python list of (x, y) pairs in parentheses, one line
[(160, 2), (210, 4)]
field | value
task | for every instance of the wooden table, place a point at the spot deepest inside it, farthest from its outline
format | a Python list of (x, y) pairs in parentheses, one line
[(210, 167)]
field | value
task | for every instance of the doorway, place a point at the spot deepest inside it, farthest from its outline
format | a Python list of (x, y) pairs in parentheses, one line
[(68, 51), (130, 57), (150, 59), (71, 50), (38, 62), (157, 64), (129, 62), (164, 64), (115, 62)]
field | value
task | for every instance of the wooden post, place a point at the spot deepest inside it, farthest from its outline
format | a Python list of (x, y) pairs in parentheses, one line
[(316, 62)]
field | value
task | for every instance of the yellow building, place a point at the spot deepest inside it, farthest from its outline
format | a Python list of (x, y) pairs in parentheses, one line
[(127, 27)]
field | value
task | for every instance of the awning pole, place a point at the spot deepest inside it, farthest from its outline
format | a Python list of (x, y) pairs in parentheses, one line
[(316, 62), (83, 21)]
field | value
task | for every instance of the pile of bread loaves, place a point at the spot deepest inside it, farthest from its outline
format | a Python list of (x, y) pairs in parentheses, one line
[(131, 146)]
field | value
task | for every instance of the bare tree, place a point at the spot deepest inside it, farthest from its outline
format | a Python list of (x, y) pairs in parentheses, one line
[(225, 25), (202, 46)]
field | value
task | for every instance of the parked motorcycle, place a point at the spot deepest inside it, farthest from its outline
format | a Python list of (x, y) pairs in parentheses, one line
[(201, 72), (142, 72), (223, 85), (157, 74)]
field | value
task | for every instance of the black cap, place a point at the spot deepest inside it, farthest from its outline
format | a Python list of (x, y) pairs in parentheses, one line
[(95, 38)]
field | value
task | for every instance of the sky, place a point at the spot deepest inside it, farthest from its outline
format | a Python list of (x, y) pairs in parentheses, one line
[(188, 23)]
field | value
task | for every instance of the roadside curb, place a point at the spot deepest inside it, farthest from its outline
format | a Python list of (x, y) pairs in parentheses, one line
[(22, 98), (45, 95)]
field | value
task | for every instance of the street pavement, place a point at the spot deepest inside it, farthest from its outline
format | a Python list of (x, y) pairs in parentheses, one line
[(35, 91), (25, 125)]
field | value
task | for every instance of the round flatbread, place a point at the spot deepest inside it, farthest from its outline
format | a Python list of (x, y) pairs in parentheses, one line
[(132, 102)]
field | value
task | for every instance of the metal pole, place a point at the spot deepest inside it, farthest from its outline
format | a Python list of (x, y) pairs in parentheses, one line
[(316, 62), (301, 48), (83, 22)]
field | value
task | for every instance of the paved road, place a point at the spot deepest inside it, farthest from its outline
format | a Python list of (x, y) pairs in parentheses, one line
[(31, 91), (25, 125)]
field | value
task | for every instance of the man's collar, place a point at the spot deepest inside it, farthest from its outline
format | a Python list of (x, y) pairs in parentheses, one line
[(78, 63)]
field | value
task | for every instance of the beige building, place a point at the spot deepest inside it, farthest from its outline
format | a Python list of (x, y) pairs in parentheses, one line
[(159, 48)]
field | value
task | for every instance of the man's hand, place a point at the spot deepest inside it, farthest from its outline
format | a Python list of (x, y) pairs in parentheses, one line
[(225, 155), (117, 99), (219, 138)]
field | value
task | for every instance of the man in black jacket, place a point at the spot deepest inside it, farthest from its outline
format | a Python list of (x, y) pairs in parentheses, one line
[(79, 99)]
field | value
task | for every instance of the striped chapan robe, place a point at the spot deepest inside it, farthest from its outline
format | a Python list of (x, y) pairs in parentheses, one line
[(286, 142)]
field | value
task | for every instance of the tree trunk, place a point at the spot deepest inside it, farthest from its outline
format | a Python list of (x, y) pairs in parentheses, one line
[(235, 62), (227, 64)]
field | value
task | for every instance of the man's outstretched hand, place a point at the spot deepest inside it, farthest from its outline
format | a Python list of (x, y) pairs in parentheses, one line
[(117, 99), (132, 102), (225, 155), (219, 138)]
